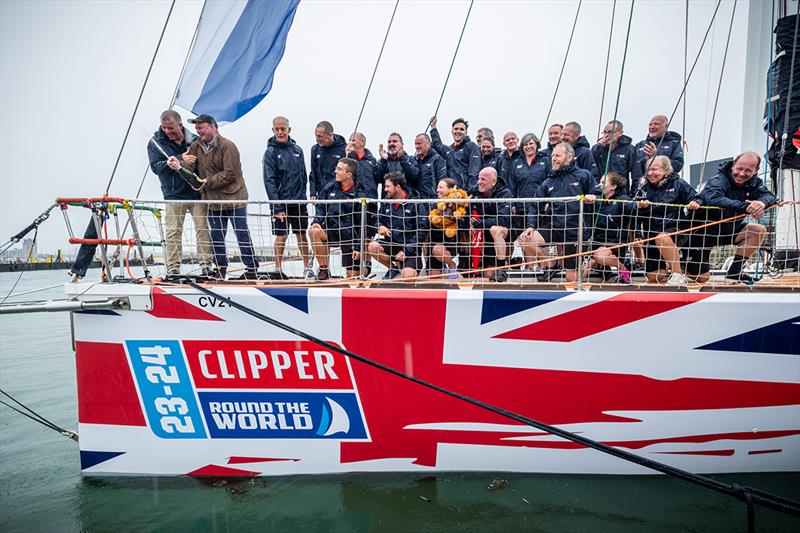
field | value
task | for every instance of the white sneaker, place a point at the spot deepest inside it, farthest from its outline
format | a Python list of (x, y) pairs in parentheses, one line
[(677, 279), (74, 278), (309, 275), (452, 273)]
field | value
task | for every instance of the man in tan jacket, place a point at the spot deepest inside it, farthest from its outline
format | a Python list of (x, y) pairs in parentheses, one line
[(216, 160)]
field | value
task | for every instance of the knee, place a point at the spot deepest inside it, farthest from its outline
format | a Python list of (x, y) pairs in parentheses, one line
[(498, 232), (438, 251), (374, 248)]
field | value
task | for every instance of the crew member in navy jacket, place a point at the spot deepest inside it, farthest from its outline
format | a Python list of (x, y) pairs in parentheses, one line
[(284, 169), (431, 166), (493, 219), (490, 156), (666, 203), (565, 179), (325, 154), (527, 172), (659, 141), (737, 190), (402, 228), (508, 157), (395, 159), (571, 134), (623, 153), (338, 224), (463, 156)]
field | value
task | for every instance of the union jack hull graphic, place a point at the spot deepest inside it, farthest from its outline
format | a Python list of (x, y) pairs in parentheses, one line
[(185, 384)]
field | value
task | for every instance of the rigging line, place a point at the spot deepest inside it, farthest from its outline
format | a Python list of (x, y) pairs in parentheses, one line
[(786, 124), (452, 62), (564, 64), (685, 66), (719, 89), (139, 100), (33, 247), (375, 70), (65, 432), (605, 75), (616, 111), (33, 413), (740, 492), (649, 161)]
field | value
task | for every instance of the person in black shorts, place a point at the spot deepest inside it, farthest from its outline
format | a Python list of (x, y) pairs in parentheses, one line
[(285, 178), (338, 224), (402, 228), (614, 215), (736, 189)]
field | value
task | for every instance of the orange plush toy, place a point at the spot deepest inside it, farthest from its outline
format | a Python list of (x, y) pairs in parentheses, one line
[(447, 214)]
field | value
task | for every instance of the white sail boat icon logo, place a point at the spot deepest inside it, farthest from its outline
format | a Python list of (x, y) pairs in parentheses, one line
[(334, 419)]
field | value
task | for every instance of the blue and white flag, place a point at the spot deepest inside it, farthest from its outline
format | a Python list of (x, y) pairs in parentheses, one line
[(238, 47)]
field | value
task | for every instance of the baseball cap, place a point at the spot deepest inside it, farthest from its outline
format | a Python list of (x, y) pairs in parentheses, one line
[(203, 119)]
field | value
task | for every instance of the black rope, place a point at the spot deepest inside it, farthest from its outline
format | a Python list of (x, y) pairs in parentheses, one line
[(36, 417), (564, 64), (452, 62), (375, 70), (762, 498), (139, 100), (21, 272), (719, 90), (30, 227)]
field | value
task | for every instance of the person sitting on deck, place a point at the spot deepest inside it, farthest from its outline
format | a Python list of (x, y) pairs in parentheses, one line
[(564, 180), (662, 198), (402, 228), (493, 220), (338, 224), (463, 156), (447, 221), (216, 159), (614, 216), (737, 190)]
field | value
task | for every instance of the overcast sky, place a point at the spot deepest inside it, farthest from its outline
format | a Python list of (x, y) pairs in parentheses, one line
[(70, 73)]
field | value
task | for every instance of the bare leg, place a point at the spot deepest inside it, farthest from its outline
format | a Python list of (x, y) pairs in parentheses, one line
[(318, 242), (280, 246), (669, 252)]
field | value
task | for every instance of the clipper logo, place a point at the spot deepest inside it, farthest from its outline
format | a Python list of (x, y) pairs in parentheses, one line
[(246, 390), (275, 390)]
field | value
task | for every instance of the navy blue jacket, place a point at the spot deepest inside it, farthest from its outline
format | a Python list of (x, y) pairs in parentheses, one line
[(566, 181), (432, 169), (367, 178), (507, 164), (284, 169), (407, 223), (671, 147), (666, 218), (549, 150), (405, 164), (173, 187), (583, 156), (491, 213), (613, 219), (623, 157), (492, 160), (345, 217), (463, 161), (721, 191), (323, 163)]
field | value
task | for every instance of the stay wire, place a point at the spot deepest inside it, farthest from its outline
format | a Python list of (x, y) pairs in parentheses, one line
[(33, 415), (139, 100), (605, 74), (375, 70), (563, 65), (760, 497), (452, 62), (719, 89), (682, 94), (21, 272)]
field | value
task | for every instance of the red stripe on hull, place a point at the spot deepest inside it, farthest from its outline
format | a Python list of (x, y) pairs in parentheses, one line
[(602, 316), (222, 471), (106, 392), (169, 306)]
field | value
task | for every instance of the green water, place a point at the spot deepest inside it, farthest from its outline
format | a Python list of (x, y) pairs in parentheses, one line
[(41, 488)]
